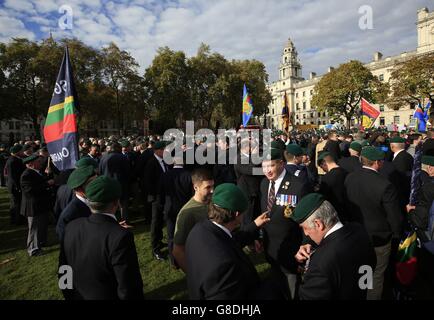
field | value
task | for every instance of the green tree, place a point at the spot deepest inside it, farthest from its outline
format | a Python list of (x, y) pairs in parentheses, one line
[(340, 91), (411, 82), (167, 81)]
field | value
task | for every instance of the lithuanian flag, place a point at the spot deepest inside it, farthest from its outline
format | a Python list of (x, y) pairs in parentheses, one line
[(60, 130), (406, 266)]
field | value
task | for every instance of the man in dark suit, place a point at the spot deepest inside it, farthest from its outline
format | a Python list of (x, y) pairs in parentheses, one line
[(332, 183), (248, 182), (294, 158), (217, 267), (154, 170), (332, 145), (403, 163), (352, 163), (35, 204), (94, 153), (373, 201), (331, 267), (14, 168), (177, 189), (116, 166), (78, 207), (280, 192), (108, 268)]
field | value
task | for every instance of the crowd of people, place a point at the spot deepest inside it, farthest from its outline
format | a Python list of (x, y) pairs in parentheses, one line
[(326, 204)]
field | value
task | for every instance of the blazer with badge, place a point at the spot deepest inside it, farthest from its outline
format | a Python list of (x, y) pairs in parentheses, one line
[(333, 268), (35, 195), (283, 236), (108, 269)]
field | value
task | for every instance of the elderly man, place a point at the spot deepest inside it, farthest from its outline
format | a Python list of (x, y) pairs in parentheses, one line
[(280, 193), (217, 267), (108, 269), (14, 168), (35, 204), (373, 201), (403, 163), (352, 163), (332, 267)]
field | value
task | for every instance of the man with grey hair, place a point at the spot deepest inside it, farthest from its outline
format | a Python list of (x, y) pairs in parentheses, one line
[(341, 264)]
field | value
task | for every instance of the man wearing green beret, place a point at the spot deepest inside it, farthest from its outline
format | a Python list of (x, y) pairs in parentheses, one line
[(332, 145), (217, 267), (14, 168), (35, 204), (294, 157), (422, 217), (332, 265), (403, 164), (280, 192), (94, 153), (373, 201), (101, 253), (352, 163), (77, 208)]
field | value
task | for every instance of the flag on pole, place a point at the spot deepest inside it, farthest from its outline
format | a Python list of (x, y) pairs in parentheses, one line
[(247, 106), (421, 116), (60, 130), (369, 114)]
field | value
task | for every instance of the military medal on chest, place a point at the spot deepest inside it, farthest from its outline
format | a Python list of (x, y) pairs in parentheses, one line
[(290, 205)]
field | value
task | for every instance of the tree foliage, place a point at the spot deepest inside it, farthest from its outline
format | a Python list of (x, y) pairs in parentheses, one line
[(340, 91)]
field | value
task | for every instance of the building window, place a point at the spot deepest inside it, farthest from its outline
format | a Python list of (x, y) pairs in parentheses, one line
[(304, 93), (272, 111), (381, 121), (304, 116), (323, 122), (17, 125), (381, 77), (296, 117), (304, 122), (297, 106), (319, 121), (296, 94), (312, 122), (311, 92), (304, 105), (396, 119), (11, 125), (286, 59), (284, 71), (311, 115), (283, 83), (381, 108)]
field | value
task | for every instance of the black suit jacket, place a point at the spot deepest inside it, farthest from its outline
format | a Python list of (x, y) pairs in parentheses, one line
[(153, 177), (282, 236), (373, 201), (403, 164), (108, 268), (350, 164), (74, 210), (64, 196), (333, 188), (35, 194), (178, 187), (333, 271), (116, 166), (217, 267), (333, 147), (14, 168)]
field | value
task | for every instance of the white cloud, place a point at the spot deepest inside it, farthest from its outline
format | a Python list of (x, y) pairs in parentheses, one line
[(12, 27), (325, 32)]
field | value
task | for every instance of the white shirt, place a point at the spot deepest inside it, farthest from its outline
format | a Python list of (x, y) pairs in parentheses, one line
[(84, 200), (109, 215), (336, 227), (160, 161), (177, 167), (370, 168), (226, 230), (396, 153), (36, 171), (277, 183)]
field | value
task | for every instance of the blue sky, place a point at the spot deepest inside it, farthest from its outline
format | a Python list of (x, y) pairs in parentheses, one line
[(325, 32)]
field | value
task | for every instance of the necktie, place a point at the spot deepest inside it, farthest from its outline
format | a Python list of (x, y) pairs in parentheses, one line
[(271, 197), (164, 166)]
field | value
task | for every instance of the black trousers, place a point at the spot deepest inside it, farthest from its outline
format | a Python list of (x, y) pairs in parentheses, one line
[(157, 224), (15, 207)]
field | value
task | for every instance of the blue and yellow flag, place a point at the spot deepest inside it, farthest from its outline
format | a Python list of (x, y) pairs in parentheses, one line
[(247, 106), (60, 130)]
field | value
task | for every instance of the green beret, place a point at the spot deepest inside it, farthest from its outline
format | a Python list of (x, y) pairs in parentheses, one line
[(278, 144), (104, 190), (372, 153), (276, 154), (294, 149), (79, 176), (30, 158), (125, 143), (364, 143), (428, 160), (306, 206), (86, 161), (323, 154), (160, 144), (356, 146), (27, 147), (16, 148), (230, 197), (397, 140)]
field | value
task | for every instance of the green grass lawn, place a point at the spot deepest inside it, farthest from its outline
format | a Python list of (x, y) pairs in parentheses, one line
[(22, 277)]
